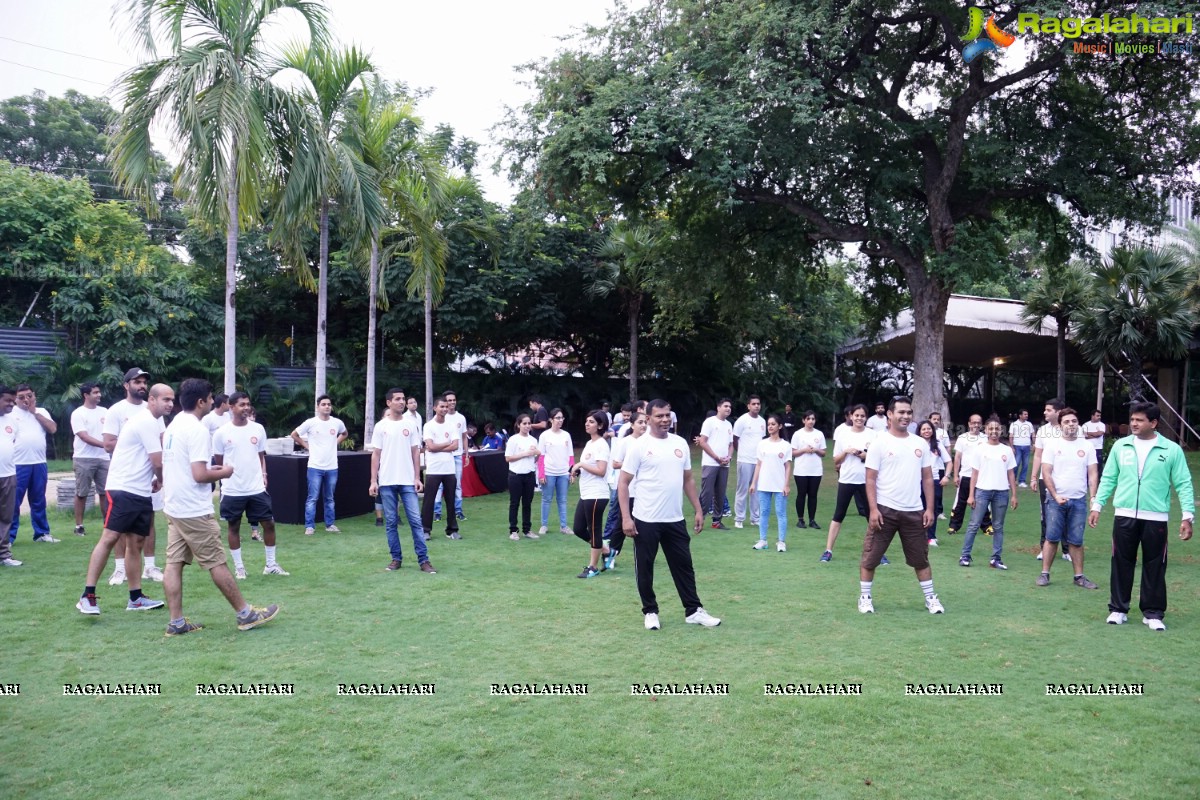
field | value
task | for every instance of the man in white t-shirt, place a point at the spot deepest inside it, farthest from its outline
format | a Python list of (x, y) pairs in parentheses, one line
[(137, 393), (242, 445), (442, 441), (716, 444), (221, 413), (32, 424), (1020, 436), (88, 458), (396, 478), (899, 473), (1071, 476), (8, 472), (320, 436), (1094, 430), (192, 530), (963, 446), (879, 421), (134, 474), (662, 464), (748, 431), (459, 423), (1045, 434)]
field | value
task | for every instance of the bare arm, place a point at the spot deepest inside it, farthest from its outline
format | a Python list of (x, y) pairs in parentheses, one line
[(202, 473), (689, 489)]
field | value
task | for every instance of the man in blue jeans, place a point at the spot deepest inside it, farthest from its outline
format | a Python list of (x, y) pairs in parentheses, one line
[(1070, 474), (320, 436), (459, 423), (396, 477), (29, 454)]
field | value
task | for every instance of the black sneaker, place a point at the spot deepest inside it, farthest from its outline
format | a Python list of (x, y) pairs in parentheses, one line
[(461, 516), (719, 526), (453, 535), (812, 523), (379, 522), (588, 572), (800, 524), (186, 627), (79, 531), (1083, 583)]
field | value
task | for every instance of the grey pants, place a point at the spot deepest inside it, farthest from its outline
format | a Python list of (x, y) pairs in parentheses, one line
[(713, 482), (8, 502), (744, 476)]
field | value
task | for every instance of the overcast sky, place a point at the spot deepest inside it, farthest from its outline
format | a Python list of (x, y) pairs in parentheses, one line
[(465, 51)]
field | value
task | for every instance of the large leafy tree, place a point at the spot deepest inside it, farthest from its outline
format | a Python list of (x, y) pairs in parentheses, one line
[(859, 122), (214, 95)]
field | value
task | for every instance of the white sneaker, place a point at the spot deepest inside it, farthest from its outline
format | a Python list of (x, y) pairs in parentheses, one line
[(941, 516), (702, 617), (934, 543), (240, 573), (274, 569), (542, 531), (761, 544), (1023, 485), (309, 531), (117, 578), (46, 538), (1117, 618), (780, 547), (152, 574), (865, 606), (516, 537), (11, 562), (1039, 556), (1154, 624), (738, 525), (934, 605), (652, 622)]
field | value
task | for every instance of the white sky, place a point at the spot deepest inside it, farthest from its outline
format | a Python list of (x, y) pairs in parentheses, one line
[(465, 50)]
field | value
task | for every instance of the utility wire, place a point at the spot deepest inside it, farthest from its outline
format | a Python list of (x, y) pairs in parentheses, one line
[(65, 52)]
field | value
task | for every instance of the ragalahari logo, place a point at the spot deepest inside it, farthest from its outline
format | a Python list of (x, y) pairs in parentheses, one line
[(976, 28)]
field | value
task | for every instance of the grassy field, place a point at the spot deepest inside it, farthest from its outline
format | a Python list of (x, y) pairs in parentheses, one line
[(513, 612)]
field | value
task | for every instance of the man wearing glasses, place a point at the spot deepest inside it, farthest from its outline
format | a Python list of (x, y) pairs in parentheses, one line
[(32, 425)]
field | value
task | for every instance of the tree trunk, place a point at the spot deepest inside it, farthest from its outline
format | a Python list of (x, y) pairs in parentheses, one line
[(635, 312), (1062, 360), (231, 243), (322, 298), (373, 295), (428, 345), (930, 300)]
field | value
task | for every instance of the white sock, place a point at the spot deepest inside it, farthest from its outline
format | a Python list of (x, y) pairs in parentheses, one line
[(148, 561), (237, 558), (927, 588), (270, 555), (120, 565), (865, 587)]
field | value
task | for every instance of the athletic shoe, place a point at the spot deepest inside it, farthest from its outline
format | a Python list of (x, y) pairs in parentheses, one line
[(79, 531), (309, 531), (46, 538), (934, 543), (941, 516), (780, 547), (738, 525), (883, 562), (1040, 556), (152, 574), (1154, 624), (332, 529), (588, 572), (1066, 556), (761, 544), (437, 517), (88, 605), (542, 531), (702, 617), (865, 606), (951, 531), (256, 617), (652, 622), (379, 522), (565, 531), (610, 560), (186, 627), (1023, 485), (462, 516), (453, 536), (274, 569), (965, 561), (254, 535), (143, 603), (516, 537), (393, 566), (1043, 579), (827, 556), (1083, 583), (719, 526), (996, 563), (800, 524), (812, 523), (428, 568), (11, 562), (1117, 618), (240, 573), (529, 535), (934, 605), (118, 577)]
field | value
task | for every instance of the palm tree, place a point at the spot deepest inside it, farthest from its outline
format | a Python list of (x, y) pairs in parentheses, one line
[(1187, 247), (629, 255), (325, 170), (1058, 293), (1138, 309), (214, 94)]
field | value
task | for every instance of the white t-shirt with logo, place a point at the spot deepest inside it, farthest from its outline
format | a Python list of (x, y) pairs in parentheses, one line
[(1045, 434), (808, 464), (239, 446), (658, 465), (31, 436), (1070, 459), (853, 470), (519, 445), (773, 459), (8, 443), (458, 424), (186, 442), (616, 453), (130, 469), (91, 422), (720, 438), (992, 462), (119, 413), (322, 437), (440, 462), (965, 444), (395, 439), (558, 449), (1095, 427), (898, 462), (1020, 433), (593, 487), (749, 432)]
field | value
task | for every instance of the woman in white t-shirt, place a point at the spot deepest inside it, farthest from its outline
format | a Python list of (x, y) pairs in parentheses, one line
[(941, 457), (592, 472), (808, 446), (629, 432), (521, 453), (994, 486), (771, 482), (850, 457), (557, 454)]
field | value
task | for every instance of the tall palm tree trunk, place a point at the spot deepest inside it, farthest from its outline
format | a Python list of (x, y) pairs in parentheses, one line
[(635, 312), (428, 345), (1062, 359), (373, 295), (231, 243), (322, 297)]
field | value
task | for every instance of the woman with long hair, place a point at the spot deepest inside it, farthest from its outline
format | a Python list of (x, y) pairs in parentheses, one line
[(521, 453), (557, 452), (928, 431), (770, 481), (592, 470), (850, 457)]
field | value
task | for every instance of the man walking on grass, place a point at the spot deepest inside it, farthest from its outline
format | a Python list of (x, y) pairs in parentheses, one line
[(396, 478), (134, 404), (899, 473), (192, 530)]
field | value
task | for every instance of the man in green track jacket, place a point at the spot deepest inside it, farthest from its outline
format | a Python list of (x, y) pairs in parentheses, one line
[(1138, 475)]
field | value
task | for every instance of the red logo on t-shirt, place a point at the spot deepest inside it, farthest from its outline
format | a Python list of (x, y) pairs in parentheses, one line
[(679, 453), (8, 429), (1004, 458), (1079, 453), (447, 435), (919, 453), (403, 432), (253, 440), (781, 455), (333, 431)]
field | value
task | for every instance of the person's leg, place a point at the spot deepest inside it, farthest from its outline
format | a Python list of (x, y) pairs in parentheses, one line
[(1126, 537), (763, 501), (458, 468), (1042, 509), (389, 497), (1056, 518), (38, 479), (310, 499), (860, 500), (529, 482), (801, 495), (844, 494), (938, 490), (83, 469), (676, 546), (23, 474), (708, 485), (412, 511), (999, 507), (1076, 523), (745, 473), (547, 492), (645, 550), (720, 494), (104, 547), (814, 486), (427, 501), (331, 479), (449, 484), (8, 491), (515, 486), (564, 483), (1153, 600), (982, 497), (781, 515), (959, 510)]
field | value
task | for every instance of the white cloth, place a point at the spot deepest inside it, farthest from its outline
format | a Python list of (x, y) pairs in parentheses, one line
[(213, 421), (187, 441), (8, 443), (557, 449), (877, 423), (89, 421), (616, 454), (659, 466), (749, 432), (31, 436), (239, 447), (119, 413), (440, 462), (965, 444), (853, 469), (1020, 433), (993, 462), (1046, 433), (395, 440), (518, 446), (773, 460), (1095, 427), (808, 464), (898, 461), (130, 469), (593, 487), (322, 437), (458, 424), (719, 434), (1070, 460)]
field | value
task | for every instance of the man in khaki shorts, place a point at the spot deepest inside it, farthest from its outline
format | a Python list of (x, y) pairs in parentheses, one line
[(192, 530)]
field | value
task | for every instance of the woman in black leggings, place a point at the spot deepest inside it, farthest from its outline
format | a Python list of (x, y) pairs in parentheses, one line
[(808, 448)]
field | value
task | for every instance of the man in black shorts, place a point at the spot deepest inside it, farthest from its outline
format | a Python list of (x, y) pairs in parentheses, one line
[(133, 475)]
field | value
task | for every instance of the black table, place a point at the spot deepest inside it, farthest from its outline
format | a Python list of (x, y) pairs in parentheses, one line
[(287, 481)]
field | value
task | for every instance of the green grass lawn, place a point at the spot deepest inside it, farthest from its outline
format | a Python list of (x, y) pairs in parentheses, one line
[(502, 611)]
